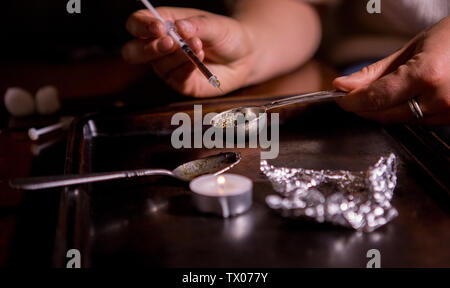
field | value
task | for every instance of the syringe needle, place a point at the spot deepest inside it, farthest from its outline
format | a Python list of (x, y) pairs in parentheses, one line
[(171, 31)]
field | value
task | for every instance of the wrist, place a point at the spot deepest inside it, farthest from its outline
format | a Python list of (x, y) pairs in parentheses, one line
[(253, 58)]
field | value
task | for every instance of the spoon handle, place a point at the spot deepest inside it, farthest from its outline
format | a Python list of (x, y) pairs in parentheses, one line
[(36, 183), (306, 98)]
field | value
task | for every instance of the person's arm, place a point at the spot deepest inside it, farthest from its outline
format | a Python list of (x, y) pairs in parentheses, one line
[(263, 39), (285, 34)]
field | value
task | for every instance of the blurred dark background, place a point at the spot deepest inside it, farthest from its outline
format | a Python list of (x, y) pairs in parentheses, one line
[(44, 30)]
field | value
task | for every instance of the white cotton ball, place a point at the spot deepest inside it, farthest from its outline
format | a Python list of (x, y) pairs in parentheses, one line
[(47, 100), (19, 102)]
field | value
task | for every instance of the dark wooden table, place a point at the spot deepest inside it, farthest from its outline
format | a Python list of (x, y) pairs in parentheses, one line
[(111, 228)]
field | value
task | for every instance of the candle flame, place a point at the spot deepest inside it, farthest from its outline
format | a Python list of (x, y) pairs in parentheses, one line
[(220, 180)]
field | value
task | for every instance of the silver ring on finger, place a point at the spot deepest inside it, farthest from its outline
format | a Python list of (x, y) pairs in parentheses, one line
[(415, 108)]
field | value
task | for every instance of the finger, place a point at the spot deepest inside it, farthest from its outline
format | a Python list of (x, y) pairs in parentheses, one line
[(375, 71), (174, 13), (141, 51), (181, 78), (443, 119), (434, 103), (402, 113), (185, 28), (133, 52), (166, 64), (181, 75), (388, 91), (398, 114), (207, 27), (365, 76), (183, 72), (188, 80), (141, 25)]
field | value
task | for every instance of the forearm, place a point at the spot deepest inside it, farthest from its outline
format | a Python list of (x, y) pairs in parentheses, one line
[(284, 34)]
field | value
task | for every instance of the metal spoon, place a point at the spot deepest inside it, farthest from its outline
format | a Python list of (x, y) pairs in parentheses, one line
[(252, 113), (215, 164)]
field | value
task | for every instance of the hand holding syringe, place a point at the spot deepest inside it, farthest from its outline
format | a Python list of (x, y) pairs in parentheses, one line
[(171, 31)]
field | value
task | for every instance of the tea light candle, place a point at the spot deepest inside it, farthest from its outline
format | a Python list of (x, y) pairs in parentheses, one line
[(226, 195)]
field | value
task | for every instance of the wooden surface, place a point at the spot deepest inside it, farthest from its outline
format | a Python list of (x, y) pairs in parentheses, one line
[(84, 87), (151, 222), (417, 238)]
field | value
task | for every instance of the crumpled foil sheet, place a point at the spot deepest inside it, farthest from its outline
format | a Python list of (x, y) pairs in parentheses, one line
[(359, 200)]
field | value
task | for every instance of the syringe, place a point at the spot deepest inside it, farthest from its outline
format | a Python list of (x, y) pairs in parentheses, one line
[(171, 31)]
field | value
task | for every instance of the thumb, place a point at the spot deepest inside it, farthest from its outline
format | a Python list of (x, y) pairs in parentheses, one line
[(205, 26), (368, 74), (190, 23)]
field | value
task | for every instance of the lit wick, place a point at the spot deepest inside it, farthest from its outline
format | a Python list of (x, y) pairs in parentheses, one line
[(221, 184), (222, 200)]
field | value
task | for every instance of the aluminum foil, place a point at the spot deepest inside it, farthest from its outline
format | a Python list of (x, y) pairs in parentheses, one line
[(359, 200)]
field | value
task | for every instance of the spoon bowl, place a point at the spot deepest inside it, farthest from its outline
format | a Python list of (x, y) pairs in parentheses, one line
[(251, 114), (243, 119), (214, 164)]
